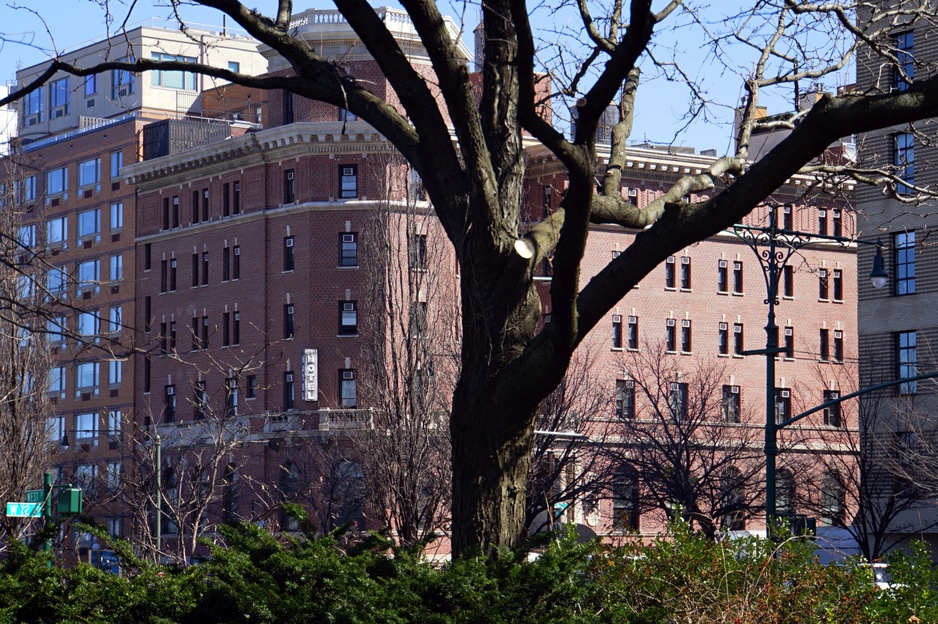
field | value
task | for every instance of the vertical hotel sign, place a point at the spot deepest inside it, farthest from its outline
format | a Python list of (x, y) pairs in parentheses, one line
[(310, 375)]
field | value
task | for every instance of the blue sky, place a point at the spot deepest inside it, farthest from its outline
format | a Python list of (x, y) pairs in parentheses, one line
[(660, 107)]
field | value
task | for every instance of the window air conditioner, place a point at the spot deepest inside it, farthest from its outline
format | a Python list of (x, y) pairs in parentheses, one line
[(289, 242), (734, 389), (289, 175), (785, 394), (633, 320), (348, 171), (348, 374), (685, 323), (723, 326), (170, 391), (348, 238), (616, 318), (685, 260), (671, 323)]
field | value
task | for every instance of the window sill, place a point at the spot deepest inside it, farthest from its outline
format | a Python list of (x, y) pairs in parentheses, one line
[(616, 349), (687, 290), (633, 349), (346, 268), (739, 294), (723, 355), (823, 300), (687, 353), (670, 288), (346, 336), (723, 292), (838, 300)]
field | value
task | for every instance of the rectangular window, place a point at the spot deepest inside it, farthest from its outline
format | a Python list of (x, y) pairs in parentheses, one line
[(289, 188), (616, 331), (788, 282), (723, 280), (251, 391), (195, 206), (172, 275), (57, 181), (904, 73), (670, 274), (782, 405), (147, 374), (199, 399), (55, 330), (57, 231), (56, 281), (738, 344), (686, 344), (205, 332), (165, 213), (904, 161), (169, 403), (678, 400), (117, 163), (89, 172), (205, 268), (289, 328), (113, 485), (236, 198), (231, 397), (823, 287), (738, 278), (57, 377), (123, 82), (838, 223), (117, 216), (86, 378), (731, 404), (832, 412), (671, 335), (625, 500), (226, 200), (348, 318), (788, 218), (822, 222), (289, 391), (838, 346), (89, 275), (289, 259), (236, 263), (625, 398), (164, 273), (59, 96), (226, 329), (89, 224), (348, 249), (117, 267), (86, 426), (32, 107), (633, 332), (723, 339), (348, 181), (173, 78), (789, 344), (114, 372), (906, 361), (838, 285), (685, 273), (236, 328), (175, 211), (225, 264), (196, 334), (904, 260), (163, 336), (91, 85), (147, 313), (172, 337), (114, 424), (825, 345), (287, 107), (115, 318), (29, 188), (195, 270), (418, 252), (205, 210), (348, 390)]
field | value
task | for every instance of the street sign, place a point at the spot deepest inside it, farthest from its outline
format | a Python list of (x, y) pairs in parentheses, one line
[(34, 496), (24, 510)]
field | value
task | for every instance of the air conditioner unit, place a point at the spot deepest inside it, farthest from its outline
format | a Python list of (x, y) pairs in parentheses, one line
[(170, 391), (290, 309), (289, 242), (734, 389), (237, 316), (347, 307), (633, 192), (685, 323), (289, 175), (685, 260), (838, 334), (176, 200), (288, 377), (172, 263), (348, 238), (633, 320), (723, 326), (789, 331), (628, 383), (670, 260), (348, 374), (671, 323), (616, 318), (822, 213), (722, 264), (237, 251), (785, 394), (738, 329), (348, 171)]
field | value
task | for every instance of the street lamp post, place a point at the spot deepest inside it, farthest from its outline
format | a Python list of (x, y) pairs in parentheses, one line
[(774, 247)]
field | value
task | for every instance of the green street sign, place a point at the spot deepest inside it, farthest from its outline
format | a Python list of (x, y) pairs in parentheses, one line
[(34, 496), (24, 510)]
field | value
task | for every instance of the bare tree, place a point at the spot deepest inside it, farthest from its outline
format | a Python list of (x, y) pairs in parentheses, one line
[(510, 361), (693, 450)]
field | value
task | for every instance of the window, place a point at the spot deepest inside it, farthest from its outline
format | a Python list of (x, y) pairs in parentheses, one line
[(616, 331), (825, 348), (173, 79), (723, 339), (904, 257), (226, 200), (88, 324), (289, 193), (123, 82), (55, 329), (89, 172), (226, 329), (348, 181), (236, 198), (59, 95), (196, 334), (114, 424), (57, 376), (287, 107), (86, 426), (117, 163), (163, 276), (289, 328), (236, 263), (89, 224), (231, 397), (32, 107), (289, 258), (731, 501), (738, 278), (289, 391), (251, 391), (838, 285), (677, 401), (29, 188), (418, 252), (147, 370), (788, 218), (348, 392), (91, 85), (782, 405), (625, 398), (117, 267), (838, 346), (205, 268), (822, 222), (633, 332), (195, 270), (625, 500), (57, 181), (348, 249), (117, 216), (169, 403), (225, 264), (56, 281), (348, 318), (685, 273), (723, 279), (56, 428), (905, 54), (236, 328), (789, 344), (195, 207), (57, 231), (832, 412), (175, 211), (89, 275), (823, 287), (833, 496), (86, 378), (205, 332), (784, 491), (199, 399), (671, 335), (204, 204), (114, 372), (346, 115), (788, 281), (172, 275), (904, 161), (172, 336), (731, 404), (838, 223), (165, 213), (113, 485), (670, 275), (738, 345), (686, 344)]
